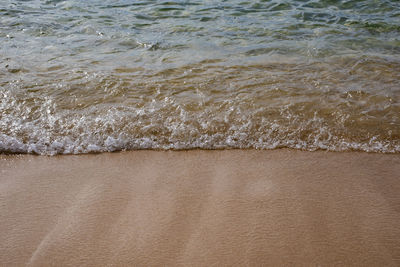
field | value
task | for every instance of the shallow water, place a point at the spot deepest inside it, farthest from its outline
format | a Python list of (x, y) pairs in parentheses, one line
[(92, 76)]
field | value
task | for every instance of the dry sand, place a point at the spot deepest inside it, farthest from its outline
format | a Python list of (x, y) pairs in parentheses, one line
[(200, 208)]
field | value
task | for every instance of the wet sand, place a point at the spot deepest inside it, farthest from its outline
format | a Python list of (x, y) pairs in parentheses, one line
[(200, 208)]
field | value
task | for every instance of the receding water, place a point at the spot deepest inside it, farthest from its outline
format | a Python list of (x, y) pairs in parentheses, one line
[(92, 76)]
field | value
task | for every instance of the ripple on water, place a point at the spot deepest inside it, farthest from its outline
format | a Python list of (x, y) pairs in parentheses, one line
[(79, 77)]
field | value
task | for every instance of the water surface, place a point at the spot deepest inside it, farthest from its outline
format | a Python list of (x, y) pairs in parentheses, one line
[(92, 76)]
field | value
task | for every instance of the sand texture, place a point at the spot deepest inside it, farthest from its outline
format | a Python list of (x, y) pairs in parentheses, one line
[(200, 208)]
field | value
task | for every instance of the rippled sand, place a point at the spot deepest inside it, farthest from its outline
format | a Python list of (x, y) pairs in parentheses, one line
[(200, 208)]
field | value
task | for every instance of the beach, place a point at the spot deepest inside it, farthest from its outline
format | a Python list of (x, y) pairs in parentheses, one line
[(199, 133), (201, 208)]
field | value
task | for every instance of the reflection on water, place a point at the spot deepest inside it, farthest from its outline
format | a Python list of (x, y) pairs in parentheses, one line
[(79, 77)]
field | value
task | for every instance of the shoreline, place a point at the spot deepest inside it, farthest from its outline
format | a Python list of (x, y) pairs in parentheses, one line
[(200, 207), (174, 150)]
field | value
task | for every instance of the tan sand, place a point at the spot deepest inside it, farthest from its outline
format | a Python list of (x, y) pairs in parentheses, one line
[(200, 208)]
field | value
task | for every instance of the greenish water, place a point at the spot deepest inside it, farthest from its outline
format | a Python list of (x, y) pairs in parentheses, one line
[(93, 76)]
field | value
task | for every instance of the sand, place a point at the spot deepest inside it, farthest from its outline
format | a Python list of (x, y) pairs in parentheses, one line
[(200, 208)]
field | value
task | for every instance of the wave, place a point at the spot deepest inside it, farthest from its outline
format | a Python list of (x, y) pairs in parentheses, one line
[(340, 104)]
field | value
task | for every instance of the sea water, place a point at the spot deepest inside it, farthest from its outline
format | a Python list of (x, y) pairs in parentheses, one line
[(92, 76)]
